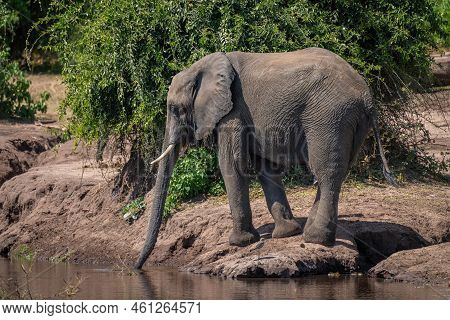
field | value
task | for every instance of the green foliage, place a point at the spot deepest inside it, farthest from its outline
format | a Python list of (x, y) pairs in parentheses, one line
[(9, 19), (16, 20), (15, 99), (298, 176), (118, 56), (195, 173), (24, 252), (133, 210), (442, 7)]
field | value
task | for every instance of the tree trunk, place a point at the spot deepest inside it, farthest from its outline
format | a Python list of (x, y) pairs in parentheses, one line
[(136, 177)]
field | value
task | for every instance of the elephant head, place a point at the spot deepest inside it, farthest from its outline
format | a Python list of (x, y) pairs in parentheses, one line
[(198, 98)]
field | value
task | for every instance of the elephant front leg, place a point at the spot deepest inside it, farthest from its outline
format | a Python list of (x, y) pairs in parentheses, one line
[(238, 196), (232, 166), (285, 224)]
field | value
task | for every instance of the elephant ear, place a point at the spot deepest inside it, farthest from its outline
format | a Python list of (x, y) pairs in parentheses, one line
[(213, 95)]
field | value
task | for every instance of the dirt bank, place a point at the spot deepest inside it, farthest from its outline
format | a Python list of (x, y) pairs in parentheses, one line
[(424, 265), (20, 144), (62, 208)]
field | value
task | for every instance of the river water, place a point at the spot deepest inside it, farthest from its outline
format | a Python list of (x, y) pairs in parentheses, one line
[(76, 281)]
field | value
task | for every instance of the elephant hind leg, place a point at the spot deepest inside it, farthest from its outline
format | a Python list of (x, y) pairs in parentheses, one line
[(313, 211), (360, 135), (329, 161), (277, 203)]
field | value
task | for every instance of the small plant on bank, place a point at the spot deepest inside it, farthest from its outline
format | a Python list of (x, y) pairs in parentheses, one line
[(133, 210), (3, 294), (194, 174), (25, 256), (24, 253)]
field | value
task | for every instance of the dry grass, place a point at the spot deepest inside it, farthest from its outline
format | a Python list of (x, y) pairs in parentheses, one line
[(52, 84)]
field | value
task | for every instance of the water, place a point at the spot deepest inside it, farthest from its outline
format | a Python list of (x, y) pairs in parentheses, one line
[(53, 281)]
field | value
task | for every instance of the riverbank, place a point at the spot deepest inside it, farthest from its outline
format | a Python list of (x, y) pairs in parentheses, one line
[(62, 208)]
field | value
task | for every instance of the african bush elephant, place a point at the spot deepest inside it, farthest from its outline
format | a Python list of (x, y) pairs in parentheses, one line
[(269, 111)]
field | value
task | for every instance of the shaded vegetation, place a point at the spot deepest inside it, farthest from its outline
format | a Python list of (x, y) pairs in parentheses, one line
[(15, 98)]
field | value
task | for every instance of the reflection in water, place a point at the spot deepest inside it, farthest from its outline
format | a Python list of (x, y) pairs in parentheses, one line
[(162, 283)]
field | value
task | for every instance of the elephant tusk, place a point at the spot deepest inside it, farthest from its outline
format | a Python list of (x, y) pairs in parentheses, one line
[(163, 155)]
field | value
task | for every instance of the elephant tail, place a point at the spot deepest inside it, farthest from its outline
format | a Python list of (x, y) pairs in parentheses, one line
[(386, 171)]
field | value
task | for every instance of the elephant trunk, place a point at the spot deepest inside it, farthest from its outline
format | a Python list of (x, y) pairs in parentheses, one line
[(166, 164)]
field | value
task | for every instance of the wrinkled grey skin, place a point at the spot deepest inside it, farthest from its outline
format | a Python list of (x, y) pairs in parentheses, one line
[(270, 111)]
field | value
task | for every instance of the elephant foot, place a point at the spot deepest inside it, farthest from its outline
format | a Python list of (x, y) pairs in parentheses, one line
[(320, 235), (243, 238), (286, 228)]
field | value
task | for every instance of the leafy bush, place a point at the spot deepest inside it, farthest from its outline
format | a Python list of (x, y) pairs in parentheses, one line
[(17, 18), (15, 99), (442, 7), (118, 57), (8, 22), (194, 174)]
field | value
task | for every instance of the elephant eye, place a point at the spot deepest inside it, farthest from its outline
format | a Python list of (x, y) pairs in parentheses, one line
[(175, 111), (178, 111)]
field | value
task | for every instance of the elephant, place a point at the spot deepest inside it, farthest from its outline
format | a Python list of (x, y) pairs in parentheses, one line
[(269, 111)]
